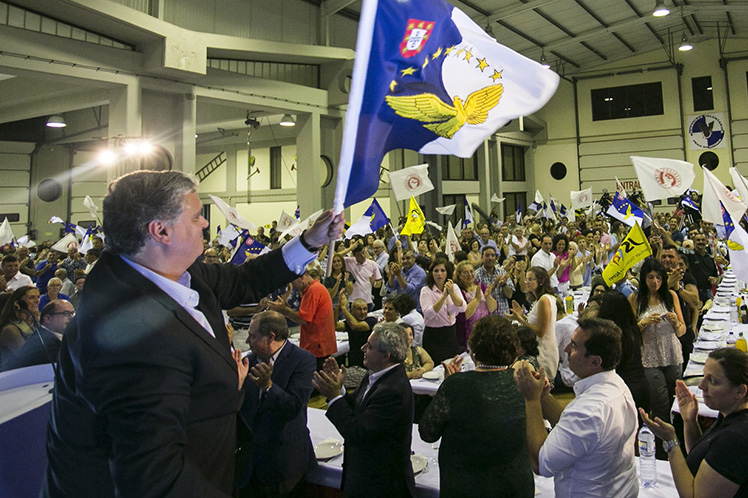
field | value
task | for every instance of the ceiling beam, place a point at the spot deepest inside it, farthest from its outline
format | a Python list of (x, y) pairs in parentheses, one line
[(330, 7), (505, 13)]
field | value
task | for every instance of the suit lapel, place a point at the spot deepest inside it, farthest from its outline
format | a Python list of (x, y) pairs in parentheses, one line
[(150, 290)]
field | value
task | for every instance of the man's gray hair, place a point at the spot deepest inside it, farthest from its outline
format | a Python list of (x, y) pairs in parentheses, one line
[(136, 199), (393, 340)]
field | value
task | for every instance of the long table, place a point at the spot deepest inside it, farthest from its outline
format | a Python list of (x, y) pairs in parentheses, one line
[(715, 328), (330, 473)]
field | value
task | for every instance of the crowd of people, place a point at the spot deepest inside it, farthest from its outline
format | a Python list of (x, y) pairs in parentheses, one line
[(148, 361)]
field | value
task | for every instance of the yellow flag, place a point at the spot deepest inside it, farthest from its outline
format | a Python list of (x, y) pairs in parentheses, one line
[(416, 221), (633, 249)]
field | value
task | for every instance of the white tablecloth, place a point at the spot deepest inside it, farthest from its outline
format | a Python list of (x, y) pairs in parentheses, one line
[(427, 483)]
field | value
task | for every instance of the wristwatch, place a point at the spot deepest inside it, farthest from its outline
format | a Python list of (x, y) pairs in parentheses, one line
[(306, 244), (669, 445)]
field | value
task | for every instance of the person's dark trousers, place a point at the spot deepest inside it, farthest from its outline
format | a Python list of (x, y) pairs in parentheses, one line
[(291, 488)]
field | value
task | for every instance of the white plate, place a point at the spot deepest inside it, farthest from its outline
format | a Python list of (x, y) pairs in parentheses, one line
[(431, 375), (419, 463), (328, 449), (706, 345), (699, 358)]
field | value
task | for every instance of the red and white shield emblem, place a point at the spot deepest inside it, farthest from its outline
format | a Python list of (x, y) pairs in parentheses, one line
[(416, 35), (667, 178), (412, 183)]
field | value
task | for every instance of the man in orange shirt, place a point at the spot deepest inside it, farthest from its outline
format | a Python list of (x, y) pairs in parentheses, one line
[(315, 316)]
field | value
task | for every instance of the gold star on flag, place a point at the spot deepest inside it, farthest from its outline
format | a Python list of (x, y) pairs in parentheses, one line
[(448, 50), (437, 53), (468, 55), (407, 71), (496, 75), (459, 52), (425, 62), (393, 84), (482, 64)]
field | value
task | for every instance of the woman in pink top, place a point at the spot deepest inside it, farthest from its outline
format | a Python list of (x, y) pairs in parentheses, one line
[(565, 262), (478, 301), (441, 301)]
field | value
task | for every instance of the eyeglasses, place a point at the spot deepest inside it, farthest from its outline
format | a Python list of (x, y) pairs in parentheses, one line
[(66, 314)]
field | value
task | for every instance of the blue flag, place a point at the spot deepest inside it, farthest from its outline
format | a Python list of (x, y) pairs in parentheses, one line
[(727, 220), (468, 215), (688, 202), (622, 209), (519, 212), (297, 213), (427, 78), (249, 246), (378, 218)]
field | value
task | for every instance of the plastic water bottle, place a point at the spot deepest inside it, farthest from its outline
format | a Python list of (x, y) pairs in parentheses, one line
[(647, 462), (731, 339)]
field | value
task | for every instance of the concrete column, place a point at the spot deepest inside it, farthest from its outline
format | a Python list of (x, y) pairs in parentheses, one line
[(308, 176), (125, 120), (184, 146)]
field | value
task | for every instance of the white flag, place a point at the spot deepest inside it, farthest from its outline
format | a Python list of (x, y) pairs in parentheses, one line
[(56, 219), (453, 243), (662, 178), (295, 227), (714, 192), (446, 210), (737, 245), (620, 189), (431, 223), (226, 235), (741, 184), (496, 198), (362, 226), (65, 243), (231, 214), (581, 198), (92, 208), (410, 181), (539, 197), (6, 233)]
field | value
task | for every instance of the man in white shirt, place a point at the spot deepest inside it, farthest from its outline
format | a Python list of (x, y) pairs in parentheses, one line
[(12, 279), (590, 451), (546, 259)]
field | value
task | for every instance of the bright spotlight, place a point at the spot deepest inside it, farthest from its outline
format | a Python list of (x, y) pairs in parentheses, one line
[(107, 157), (145, 148), (130, 148)]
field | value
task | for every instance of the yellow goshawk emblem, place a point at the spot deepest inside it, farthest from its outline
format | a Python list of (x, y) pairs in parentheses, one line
[(447, 119)]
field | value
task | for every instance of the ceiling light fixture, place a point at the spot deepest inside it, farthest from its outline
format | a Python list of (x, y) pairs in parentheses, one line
[(660, 10), (287, 120), (56, 121), (684, 45), (543, 61)]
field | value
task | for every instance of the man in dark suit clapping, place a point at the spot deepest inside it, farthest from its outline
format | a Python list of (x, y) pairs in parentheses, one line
[(376, 420), (275, 401)]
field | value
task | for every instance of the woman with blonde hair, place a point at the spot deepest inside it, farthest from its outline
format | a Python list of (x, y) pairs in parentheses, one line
[(479, 301)]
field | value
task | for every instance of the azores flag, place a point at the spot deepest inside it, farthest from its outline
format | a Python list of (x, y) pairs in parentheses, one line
[(622, 209), (737, 245), (249, 246), (427, 78), (377, 217), (468, 216)]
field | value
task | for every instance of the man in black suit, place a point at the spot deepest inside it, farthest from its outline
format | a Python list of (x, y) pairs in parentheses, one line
[(44, 344), (275, 402), (148, 390), (376, 420)]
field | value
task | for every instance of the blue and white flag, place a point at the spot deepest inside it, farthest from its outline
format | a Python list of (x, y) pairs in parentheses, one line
[(428, 78), (468, 215), (249, 246), (623, 210), (297, 213), (377, 217), (519, 212), (688, 202), (737, 245)]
